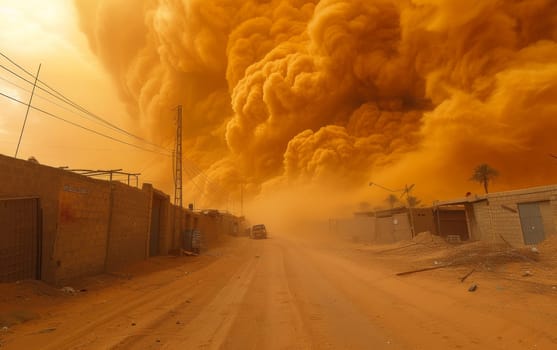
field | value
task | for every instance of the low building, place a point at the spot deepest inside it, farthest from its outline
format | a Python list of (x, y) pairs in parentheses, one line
[(451, 223), (521, 217), (385, 226)]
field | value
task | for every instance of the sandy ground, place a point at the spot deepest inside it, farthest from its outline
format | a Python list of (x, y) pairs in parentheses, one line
[(285, 293)]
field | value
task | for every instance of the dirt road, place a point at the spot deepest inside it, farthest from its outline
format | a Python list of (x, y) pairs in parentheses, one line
[(282, 293)]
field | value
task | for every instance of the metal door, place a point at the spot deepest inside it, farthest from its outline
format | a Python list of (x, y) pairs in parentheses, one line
[(19, 239), (532, 223)]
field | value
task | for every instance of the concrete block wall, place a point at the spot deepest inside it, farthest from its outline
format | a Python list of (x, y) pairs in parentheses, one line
[(424, 220), (386, 231), (166, 237), (20, 178), (402, 227), (83, 217), (129, 225), (505, 217), (479, 221), (92, 225), (355, 229), (209, 226)]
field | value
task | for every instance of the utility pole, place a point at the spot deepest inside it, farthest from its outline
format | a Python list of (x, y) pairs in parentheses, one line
[(242, 199), (27, 113), (178, 159), (407, 190)]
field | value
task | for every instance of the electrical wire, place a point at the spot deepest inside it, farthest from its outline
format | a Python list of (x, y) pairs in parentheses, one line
[(70, 102), (84, 127), (61, 106)]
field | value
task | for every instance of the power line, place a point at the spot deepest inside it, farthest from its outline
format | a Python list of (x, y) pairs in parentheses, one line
[(96, 121), (193, 169), (83, 127), (70, 102)]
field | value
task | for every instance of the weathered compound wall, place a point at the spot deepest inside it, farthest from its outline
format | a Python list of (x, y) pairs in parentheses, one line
[(90, 226), (129, 225), (505, 216), (74, 215), (81, 238)]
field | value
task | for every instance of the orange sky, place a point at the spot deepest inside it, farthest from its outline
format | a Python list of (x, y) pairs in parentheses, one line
[(34, 32), (282, 95)]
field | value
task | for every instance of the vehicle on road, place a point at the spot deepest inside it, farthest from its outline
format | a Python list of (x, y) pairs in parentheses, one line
[(258, 231)]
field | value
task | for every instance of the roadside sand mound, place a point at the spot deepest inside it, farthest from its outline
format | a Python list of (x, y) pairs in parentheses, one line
[(489, 254), (428, 238)]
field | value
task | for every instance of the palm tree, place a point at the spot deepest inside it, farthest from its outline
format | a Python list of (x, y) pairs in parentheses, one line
[(483, 174), (413, 201), (392, 200)]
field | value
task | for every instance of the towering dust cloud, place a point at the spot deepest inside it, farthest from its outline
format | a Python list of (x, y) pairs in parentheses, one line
[(341, 92)]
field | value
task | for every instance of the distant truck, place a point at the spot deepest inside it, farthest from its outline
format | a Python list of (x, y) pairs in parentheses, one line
[(258, 231)]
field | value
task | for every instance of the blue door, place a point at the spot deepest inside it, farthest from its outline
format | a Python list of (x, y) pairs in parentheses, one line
[(532, 223)]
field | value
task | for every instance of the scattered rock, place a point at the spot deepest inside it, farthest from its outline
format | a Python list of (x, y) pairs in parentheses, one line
[(535, 250), (257, 256), (177, 322), (5, 329), (46, 330), (527, 274), (133, 324), (473, 288), (158, 340), (68, 290), (188, 301)]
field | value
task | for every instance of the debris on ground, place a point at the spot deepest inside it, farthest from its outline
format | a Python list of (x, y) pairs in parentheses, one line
[(467, 275), (188, 253), (68, 290), (46, 330), (422, 270), (473, 288)]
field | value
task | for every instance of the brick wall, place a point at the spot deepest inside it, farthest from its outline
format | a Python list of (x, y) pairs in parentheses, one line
[(505, 214), (166, 237), (91, 225), (498, 218), (83, 216), (359, 228), (129, 225), (19, 178), (479, 221)]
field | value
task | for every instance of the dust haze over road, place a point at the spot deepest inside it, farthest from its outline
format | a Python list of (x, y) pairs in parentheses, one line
[(286, 292)]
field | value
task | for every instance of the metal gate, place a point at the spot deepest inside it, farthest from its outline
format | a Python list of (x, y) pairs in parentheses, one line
[(20, 239), (532, 223)]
